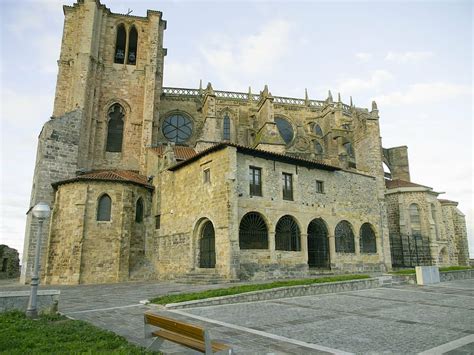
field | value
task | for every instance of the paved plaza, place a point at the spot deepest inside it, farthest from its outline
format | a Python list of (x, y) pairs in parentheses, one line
[(404, 319)]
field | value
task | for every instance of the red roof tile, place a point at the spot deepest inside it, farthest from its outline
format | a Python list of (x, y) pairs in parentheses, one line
[(180, 152), (393, 184), (110, 175), (447, 201), (257, 152)]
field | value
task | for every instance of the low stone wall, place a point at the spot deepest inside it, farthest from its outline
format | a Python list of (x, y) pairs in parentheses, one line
[(47, 301), (456, 275), (282, 292)]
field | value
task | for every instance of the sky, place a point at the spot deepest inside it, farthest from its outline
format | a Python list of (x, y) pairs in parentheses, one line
[(415, 58)]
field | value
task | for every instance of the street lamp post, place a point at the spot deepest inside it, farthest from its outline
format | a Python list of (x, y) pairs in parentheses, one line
[(40, 211)]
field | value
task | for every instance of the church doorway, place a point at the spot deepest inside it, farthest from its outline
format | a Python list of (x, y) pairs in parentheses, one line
[(207, 246), (318, 244)]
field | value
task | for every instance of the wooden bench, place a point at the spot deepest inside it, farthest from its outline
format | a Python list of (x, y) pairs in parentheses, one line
[(191, 336)]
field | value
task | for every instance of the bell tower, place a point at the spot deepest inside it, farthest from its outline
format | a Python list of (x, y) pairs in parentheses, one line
[(110, 59), (110, 76)]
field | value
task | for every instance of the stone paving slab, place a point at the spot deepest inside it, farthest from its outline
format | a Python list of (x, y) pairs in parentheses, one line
[(402, 319), (384, 320)]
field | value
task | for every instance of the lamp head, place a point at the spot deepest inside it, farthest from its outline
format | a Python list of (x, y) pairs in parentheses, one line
[(41, 210)]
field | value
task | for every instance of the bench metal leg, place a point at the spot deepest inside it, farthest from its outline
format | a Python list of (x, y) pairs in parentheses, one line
[(156, 344)]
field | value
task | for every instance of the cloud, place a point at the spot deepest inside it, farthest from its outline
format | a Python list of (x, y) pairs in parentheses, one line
[(364, 56), (179, 74), (374, 81), (408, 57), (258, 53), (425, 93), (20, 109)]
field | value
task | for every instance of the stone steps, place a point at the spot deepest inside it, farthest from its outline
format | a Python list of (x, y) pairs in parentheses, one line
[(202, 277)]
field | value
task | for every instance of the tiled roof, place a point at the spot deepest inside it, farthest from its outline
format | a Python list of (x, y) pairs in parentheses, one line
[(393, 184), (447, 201), (180, 152), (128, 176), (258, 153)]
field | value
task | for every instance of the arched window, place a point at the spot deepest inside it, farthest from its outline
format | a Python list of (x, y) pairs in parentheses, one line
[(115, 129), (287, 234), (226, 128), (119, 56), (318, 244), (132, 46), (253, 232), (104, 207), (318, 148), (285, 129), (349, 149), (344, 238), (317, 130), (415, 223), (139, 210), (368, 242)]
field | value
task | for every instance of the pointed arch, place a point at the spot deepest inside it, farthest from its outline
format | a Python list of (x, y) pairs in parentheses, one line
[(349, 149), (139, 210), (120, 43), (415, 223), (226, 127), (115, 128), (104, 208), (318, 148), (132, 46), (207, 246), (317, 130)]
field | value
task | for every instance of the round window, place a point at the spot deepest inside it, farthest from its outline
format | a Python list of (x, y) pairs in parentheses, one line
[(177, 128), (285, 129)]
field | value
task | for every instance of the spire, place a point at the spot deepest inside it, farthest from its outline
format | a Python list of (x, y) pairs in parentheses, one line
[(338, 97), (329, 99), (352, 105), (375, 110), (209, 89), (200, 86), (249, 95), (374, 106), (265, 93), (306, 97)]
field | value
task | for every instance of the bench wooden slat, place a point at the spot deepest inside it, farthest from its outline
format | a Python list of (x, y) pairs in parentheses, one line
[(181, 339), (174, 325), (189, 335)]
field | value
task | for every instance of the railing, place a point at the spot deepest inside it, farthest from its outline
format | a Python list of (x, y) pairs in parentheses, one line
[(241, 96), (180, 92)]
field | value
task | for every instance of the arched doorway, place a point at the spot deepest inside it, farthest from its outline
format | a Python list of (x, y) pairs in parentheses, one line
[(318, 244), (207, 246)]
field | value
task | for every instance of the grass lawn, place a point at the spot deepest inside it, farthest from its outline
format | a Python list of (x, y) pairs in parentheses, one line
[(182, 297), (441, 269), (59, 335)]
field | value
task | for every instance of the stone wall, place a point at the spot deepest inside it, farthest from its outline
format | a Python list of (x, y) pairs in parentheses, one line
[(56, 159), (186, 203), (9, 263), (347, 196), (47, 301), (84, 250)]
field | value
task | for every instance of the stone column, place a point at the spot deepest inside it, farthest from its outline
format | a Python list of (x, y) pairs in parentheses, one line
[(304, 247), (332, 248)]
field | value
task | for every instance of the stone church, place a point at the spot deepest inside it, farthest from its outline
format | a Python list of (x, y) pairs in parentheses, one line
[(152, 182)]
